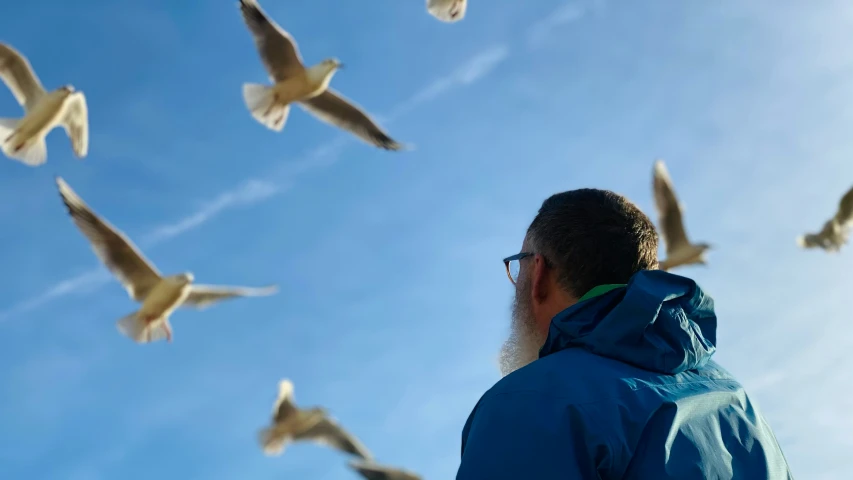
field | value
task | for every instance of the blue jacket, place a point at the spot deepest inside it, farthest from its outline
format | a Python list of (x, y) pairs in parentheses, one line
[(624, 388)]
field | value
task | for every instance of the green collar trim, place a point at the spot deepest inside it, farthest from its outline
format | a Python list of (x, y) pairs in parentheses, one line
[(601, 290)]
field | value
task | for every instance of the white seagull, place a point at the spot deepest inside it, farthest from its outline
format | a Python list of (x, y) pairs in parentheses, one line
[(294, 83), (447, 10), (23, 139), (679, 250), (375, 471), (290, 423), (159, 295), (834, 233)]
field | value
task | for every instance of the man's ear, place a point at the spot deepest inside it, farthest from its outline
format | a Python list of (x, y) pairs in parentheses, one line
[(541, 285)]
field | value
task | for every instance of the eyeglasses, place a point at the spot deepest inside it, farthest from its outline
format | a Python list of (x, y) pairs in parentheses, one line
[(513, 265)]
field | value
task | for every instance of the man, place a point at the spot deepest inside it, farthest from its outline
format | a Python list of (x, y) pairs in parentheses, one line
[(608, 371)]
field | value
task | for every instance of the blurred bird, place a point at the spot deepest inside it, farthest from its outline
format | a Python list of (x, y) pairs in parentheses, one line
[(835, 231), (447, 10), (293, 82), (679, 250), (290, 423), (24, 139), (159, 295), (374, 471)]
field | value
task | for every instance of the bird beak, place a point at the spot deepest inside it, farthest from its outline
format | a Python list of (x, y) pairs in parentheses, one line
[(340, 66)]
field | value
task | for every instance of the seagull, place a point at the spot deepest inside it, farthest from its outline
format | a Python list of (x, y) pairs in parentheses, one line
[(23, 139), (159, 295), (375, 471), (447, 10), (679, 250), (290, 423), (293, 82), (834, 233)]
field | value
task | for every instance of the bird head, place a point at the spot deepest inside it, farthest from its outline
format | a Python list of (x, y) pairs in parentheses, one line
[(187, 277), (67, 88), (321, 73), (332, 64)]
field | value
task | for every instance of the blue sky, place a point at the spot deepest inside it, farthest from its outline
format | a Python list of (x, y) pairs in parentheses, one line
[(393, 299)]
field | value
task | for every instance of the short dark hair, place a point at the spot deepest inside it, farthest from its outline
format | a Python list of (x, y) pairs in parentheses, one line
[(593, 237)]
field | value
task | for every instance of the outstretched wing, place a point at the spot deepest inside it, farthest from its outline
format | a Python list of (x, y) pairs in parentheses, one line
[(328, 432), (845, 209), (111, 246), (669, 210), (331, 107), (17, 73), (375, 471), (76, 123), (283, 407), (202, 296), (278, 50)]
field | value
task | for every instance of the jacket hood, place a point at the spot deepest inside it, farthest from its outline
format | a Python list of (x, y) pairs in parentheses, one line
[(658, 321)]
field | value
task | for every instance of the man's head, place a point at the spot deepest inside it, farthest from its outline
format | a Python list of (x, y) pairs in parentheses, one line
[(579, 239)]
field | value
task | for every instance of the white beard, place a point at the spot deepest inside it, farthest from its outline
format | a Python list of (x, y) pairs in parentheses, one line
[(522, 346)]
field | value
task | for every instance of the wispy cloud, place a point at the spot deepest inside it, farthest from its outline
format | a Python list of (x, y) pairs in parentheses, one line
[(254, 191), (539, 33), (249, 192), (477, 67), (84, 282)]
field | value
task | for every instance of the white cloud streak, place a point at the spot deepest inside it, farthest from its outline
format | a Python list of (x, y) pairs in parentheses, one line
[(254, 191), (249, 192), (478, 67), (538, 34)]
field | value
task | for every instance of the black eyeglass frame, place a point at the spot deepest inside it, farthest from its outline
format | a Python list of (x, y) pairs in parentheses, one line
[(517, 256)]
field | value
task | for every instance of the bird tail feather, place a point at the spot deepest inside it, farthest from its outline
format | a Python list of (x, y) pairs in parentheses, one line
[(32, 153), (260, 99), (139, 330), (270, 442)]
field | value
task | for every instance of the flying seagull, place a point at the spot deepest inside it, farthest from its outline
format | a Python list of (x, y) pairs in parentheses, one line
[(834, 233), (290, 423), (293, 82), (447, 10), (375, 471), (679, 250), (159, 295), (23, 139)]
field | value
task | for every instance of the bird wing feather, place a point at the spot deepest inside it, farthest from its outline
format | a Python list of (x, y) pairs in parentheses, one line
[(17, 73), (278, 50), (845, 209), (202, 296), (669, 210), (284, 406), (328, 432), (375, 471), (112, 247), (76, 123), (331, 107)]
